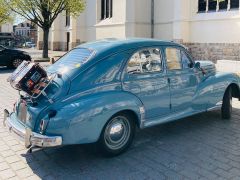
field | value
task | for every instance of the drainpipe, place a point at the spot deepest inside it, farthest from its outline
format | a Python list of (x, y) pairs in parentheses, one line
[(152, 18)]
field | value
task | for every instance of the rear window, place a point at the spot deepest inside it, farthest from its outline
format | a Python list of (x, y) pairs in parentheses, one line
[(73, 59)]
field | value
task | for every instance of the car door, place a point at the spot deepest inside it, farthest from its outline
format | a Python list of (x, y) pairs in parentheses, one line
[(144, 77), (182, 78)]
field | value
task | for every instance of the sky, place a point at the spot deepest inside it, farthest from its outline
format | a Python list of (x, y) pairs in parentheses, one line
[(18, 20)]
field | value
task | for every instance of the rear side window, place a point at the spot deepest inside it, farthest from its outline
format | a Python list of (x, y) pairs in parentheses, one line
[(145, 61), (73, 59), (173, 58)]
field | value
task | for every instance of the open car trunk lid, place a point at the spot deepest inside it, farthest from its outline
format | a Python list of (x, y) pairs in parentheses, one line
[(29, 111)]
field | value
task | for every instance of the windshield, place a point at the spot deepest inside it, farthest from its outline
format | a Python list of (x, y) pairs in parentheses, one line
[(72, 60)]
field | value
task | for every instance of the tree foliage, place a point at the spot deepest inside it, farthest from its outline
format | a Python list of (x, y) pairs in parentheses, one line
[(44, 12), (5, 13)]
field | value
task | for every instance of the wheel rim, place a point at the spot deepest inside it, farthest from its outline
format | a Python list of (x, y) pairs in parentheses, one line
[(17, 62), (117, 133)]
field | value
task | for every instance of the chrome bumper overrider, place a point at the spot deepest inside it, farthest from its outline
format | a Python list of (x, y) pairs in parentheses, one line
[(30, 138)]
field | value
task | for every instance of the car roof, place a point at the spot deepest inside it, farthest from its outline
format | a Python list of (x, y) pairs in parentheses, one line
[(107, 47), (116, 45)]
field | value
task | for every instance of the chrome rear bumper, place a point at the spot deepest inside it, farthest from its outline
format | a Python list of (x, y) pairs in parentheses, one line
[(30, 138)]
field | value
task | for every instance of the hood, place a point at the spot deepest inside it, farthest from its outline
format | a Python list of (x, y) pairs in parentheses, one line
[(208, 67)]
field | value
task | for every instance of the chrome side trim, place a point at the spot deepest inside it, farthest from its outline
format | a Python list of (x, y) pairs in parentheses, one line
[(216, 107)]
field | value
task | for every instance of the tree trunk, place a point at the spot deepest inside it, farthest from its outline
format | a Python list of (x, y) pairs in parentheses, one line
[(45, 42)]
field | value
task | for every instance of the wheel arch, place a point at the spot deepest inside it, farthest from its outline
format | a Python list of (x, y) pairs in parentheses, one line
[(136, 118), (235, 90)]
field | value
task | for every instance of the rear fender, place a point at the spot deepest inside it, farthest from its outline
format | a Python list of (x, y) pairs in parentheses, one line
[(87, 115)]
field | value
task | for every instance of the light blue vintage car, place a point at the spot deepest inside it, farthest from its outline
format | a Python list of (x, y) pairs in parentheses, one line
[(103, 90)]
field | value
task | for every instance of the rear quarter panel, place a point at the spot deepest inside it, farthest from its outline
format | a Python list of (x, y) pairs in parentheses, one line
[(81, 119)]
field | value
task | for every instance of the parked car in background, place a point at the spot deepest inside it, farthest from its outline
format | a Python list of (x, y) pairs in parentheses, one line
[(29, 45), (12, 58), (102, 91)]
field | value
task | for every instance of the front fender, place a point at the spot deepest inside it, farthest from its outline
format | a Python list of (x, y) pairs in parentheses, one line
[(211, 90), (81, 120), (223, 81)]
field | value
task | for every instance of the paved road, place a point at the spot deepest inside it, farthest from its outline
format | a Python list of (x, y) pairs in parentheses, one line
[(199, 147)]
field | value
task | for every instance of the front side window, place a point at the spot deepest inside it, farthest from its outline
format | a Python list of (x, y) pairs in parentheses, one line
[(186, 62), (145, 61), (173, 58), (106, 9)]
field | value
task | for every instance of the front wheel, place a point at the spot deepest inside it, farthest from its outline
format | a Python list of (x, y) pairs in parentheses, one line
[(227, 104), (117, 135)]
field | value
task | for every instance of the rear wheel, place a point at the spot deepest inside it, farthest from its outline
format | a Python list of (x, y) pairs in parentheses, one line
[(227, 104), (117, 135), (16, 63)]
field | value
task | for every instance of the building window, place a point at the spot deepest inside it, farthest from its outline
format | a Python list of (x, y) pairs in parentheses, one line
[(234, 4), (68, 18), (106, 9), (202, 5), (223, 4), (216, 5), (212, 5)]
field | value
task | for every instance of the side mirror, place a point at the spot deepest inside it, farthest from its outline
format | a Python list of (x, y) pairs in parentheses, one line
[(197, 65)]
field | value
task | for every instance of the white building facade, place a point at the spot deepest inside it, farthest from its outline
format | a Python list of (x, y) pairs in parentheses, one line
[(23, 29), (6, 28), (210, 28)]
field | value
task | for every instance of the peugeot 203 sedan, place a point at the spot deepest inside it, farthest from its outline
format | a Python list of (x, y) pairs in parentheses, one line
[(99, 92)]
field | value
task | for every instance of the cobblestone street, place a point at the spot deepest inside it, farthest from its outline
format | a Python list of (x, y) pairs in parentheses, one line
[(199, 147)]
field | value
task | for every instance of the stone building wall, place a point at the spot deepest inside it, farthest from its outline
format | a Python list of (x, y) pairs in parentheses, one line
[(214, 51), (40, 45)]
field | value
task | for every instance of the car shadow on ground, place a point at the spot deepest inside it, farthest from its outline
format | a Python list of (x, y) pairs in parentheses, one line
[(160, 151)]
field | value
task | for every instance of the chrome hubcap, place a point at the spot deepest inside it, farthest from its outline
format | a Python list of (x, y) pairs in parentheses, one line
[(117, 133), (17, 62)]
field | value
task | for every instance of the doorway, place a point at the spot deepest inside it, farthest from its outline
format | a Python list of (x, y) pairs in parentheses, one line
[(68, 40)]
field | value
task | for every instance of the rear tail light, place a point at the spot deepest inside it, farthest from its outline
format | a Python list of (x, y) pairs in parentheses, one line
[(44, 123)]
